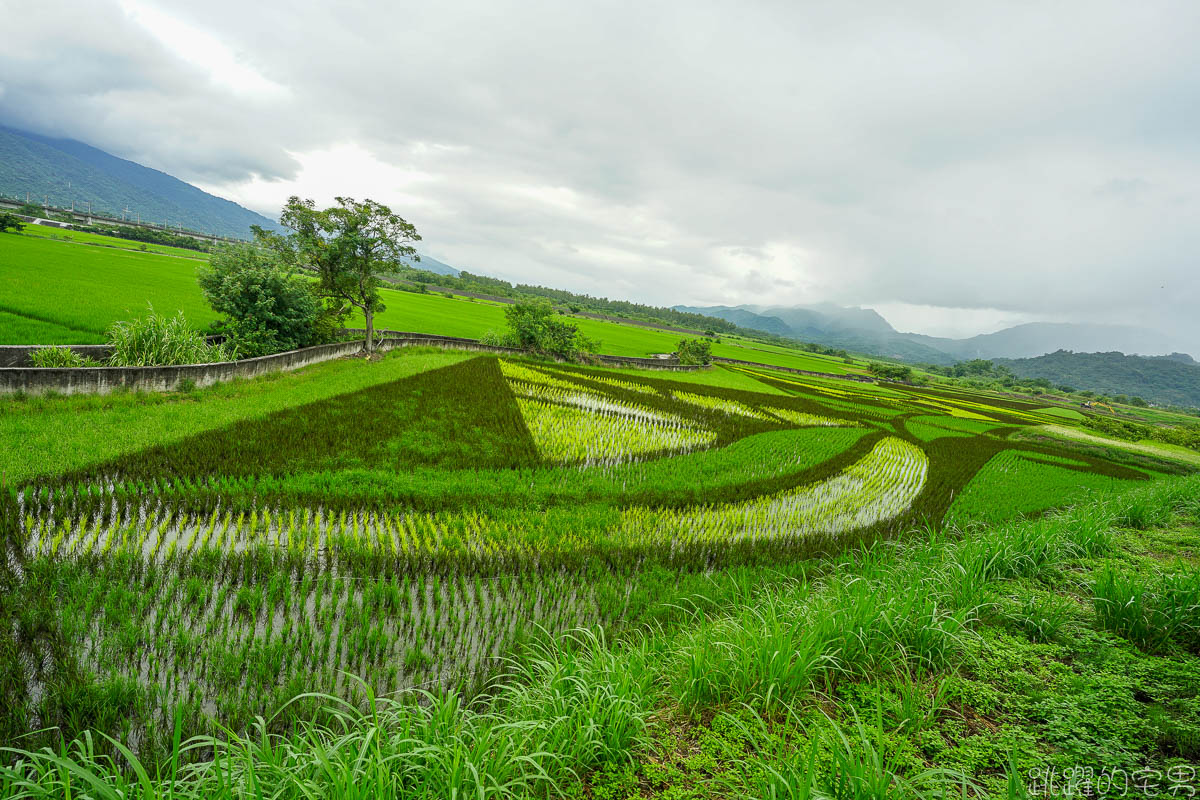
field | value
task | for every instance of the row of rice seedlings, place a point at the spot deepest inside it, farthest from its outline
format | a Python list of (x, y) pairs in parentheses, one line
[(629, 386), (802, 418), (602, 432), (242, 649), (579, 397), (299, 539), (927, 432), (544, 376), (974, 407), (296, 540), (878, 411), (879, 487), (514, 371), (969, 427), (723, 405), (702, 476)]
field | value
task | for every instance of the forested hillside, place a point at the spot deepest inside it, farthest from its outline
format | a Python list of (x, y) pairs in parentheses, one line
[(1163, 380), (65, 172)]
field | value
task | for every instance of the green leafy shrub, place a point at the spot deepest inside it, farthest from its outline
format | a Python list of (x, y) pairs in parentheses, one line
[(267, 309), (10, 222), (498, 339), (891, 372), (694, 351), (533, 327), (157, 340)]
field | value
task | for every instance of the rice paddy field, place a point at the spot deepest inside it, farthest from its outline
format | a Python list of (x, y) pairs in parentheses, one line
[(68, 288), (440, 574), (238, 558)]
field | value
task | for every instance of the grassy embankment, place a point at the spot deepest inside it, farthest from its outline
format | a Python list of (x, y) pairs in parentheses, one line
[(980, 664)]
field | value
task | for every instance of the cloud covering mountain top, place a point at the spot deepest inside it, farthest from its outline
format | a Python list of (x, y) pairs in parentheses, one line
[(966, 166)]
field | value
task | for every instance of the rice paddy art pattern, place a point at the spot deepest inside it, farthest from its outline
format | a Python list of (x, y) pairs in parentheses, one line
[(413, 533)]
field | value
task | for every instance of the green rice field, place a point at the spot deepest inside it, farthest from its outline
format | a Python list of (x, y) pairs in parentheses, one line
[(445, 574), (59, 291)]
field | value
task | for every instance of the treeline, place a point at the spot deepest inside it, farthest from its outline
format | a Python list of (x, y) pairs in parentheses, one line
[(482, 284), (576, 303), (1163, 380), (981, 373), (148, 235)]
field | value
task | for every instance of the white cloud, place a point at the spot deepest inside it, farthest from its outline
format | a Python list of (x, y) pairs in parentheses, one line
[(959, 164), (202, 50)]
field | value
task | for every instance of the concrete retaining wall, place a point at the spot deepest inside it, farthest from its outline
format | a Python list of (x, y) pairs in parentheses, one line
[(102, 380), (668, 364), (17, 355), (14, 377)]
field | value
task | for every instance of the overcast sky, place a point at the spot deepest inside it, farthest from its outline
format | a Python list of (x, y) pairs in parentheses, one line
[(958, 166)]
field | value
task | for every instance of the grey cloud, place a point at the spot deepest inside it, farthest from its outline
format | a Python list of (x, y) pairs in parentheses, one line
[(1037, 160)]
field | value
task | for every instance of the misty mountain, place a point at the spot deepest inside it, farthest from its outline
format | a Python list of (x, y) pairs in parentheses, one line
[(856, 329), (864, 330), (67, 171), (826, 316), (1163, 380), (1038, 338), (431, 264), (744, 318)]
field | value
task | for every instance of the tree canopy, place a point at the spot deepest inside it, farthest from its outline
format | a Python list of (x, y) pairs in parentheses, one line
[(10, 222), (267, 308), (347, 245)]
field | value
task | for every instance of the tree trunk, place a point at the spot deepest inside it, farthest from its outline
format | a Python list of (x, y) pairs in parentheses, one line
[(370, 316)]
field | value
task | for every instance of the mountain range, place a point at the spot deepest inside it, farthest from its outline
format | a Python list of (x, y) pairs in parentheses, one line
[(68, 172), (864, 330)]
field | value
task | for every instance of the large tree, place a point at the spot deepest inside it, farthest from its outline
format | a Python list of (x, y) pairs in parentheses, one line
[(347, 245), (10, 222)]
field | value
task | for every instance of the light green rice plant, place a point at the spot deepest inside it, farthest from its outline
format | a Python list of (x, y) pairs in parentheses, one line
[(723, 404), (599, 434), (878, 487)]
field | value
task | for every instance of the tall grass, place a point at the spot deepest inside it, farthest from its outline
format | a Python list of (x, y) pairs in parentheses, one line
[(571, 705), (1155, 615), (567, 710), (158, 340), (60, 357)]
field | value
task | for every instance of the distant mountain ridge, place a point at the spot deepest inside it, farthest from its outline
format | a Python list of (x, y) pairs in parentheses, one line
[(431, 264), (864, 330), (69, 172)]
